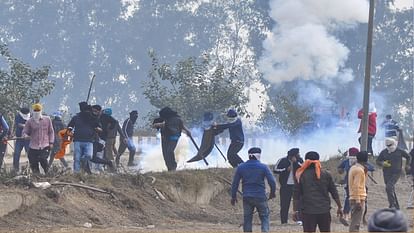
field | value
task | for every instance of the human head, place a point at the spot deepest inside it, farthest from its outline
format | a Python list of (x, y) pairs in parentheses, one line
[(37, 111), (372, 107), (353, 151), (362, 157), (312, 155), (133, 115), (84, 106), (96, 110), (388, 117), (391, 144), (254, 153), (294, 152), (57, 115), (231, 113), (387, 220), (167, 112), (24, 113), (24, 110), (37, 107), (107, 111)]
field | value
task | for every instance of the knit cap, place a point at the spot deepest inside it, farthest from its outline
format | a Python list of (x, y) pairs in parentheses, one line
[(255, 152), (387, 220)]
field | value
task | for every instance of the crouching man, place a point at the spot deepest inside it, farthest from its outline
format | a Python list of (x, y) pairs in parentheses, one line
[(253, 173)]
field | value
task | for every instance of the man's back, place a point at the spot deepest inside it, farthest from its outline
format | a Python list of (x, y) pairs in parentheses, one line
[(253, 173), (314, 193)]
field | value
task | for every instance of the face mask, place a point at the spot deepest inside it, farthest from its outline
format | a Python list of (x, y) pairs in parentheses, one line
[(352, 161), (37, 115)]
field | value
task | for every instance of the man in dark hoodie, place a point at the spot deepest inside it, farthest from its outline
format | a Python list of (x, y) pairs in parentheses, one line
[(19, 121), (171, 126), (286, 168), (236, 136), (85, 127), (128, 142)]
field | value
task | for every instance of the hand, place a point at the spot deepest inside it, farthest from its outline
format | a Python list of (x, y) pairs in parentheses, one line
[(289, 168), (339, 213), (233, 201), (50, 146), (125, 141), (272, 195), (386, 163)]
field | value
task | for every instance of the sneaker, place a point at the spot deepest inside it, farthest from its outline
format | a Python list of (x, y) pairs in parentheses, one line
[(410, 207), (300, 223)]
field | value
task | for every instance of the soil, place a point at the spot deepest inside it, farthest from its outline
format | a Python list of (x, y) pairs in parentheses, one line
[(181, 201)]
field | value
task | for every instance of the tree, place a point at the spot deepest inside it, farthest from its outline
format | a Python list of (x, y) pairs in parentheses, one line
[(284, 112), (194, 86), (21, 85)]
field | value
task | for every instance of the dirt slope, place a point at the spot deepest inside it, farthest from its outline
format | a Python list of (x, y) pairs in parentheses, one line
[(191, 200)]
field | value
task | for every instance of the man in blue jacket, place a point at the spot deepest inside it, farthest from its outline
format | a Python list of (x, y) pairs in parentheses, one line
[(236, 137), (253, 173)]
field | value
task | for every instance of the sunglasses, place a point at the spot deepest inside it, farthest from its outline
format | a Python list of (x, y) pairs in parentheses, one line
[(389, 145), (36, 110)]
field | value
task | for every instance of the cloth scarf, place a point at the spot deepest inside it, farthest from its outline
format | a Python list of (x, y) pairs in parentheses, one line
[(305, 165)]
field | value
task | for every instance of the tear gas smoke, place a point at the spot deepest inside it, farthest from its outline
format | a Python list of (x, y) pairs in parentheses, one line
[(302, 46)]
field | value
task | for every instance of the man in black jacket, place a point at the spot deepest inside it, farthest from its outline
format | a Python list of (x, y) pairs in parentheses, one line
[(286, 168), (390, 159), (311, 195), (171, 126), (85, 128), (128, 130)]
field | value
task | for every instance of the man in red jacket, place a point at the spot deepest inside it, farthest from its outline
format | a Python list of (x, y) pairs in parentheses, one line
[(372, 126)]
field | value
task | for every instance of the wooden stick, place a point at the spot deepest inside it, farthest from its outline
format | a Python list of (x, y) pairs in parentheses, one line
[(83, 186)]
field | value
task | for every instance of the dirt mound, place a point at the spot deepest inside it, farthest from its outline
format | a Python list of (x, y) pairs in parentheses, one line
[(132, 200), (181, 201)]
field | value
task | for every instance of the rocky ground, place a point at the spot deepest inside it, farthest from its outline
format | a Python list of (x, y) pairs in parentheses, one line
[(181, 201)]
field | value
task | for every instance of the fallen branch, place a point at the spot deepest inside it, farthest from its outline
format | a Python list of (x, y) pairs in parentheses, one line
[(84, 187)]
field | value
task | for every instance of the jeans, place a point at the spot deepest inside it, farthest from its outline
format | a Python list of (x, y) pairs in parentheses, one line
[(249, 204), (18, 147), (83, 152), (347, 207)]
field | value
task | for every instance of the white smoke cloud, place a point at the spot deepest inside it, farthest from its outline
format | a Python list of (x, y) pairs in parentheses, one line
[(301, 45)]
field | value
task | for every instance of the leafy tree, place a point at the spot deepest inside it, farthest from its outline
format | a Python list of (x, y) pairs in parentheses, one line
[(284, 112), (21, 85), (194, 86)]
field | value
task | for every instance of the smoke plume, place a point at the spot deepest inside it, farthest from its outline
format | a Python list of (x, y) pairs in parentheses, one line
[(302, 46)]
